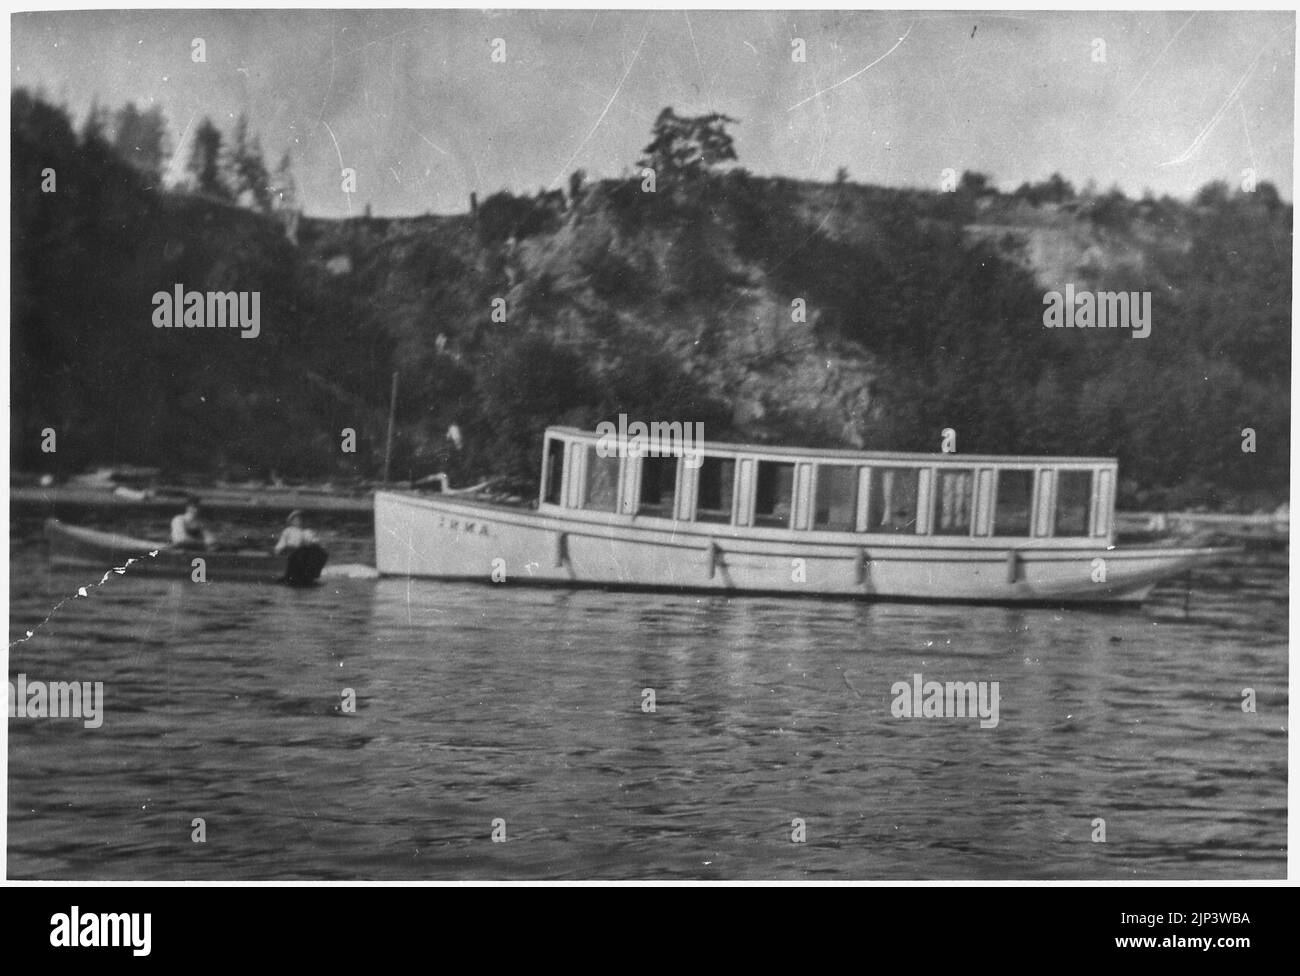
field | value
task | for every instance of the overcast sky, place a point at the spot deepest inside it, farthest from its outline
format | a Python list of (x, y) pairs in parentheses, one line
[(413, 101)]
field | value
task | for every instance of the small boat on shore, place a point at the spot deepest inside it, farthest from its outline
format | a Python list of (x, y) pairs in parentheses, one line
[(71, 545), (728, 518)]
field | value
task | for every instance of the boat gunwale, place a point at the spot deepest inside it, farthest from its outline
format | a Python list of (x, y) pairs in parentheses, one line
[(128, 545), (101, 538)]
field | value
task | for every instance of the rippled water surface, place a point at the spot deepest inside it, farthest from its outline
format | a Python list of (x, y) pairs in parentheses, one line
[(473, 703)]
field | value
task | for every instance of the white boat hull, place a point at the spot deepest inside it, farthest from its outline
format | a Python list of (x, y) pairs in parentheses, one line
[(460, 539)]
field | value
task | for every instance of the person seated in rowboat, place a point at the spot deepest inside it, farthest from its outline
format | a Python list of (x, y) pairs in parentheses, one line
[(294, 535), (188, 530)]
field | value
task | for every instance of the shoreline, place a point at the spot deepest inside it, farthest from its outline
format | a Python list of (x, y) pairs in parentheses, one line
[(1257, 527), (214, 499)]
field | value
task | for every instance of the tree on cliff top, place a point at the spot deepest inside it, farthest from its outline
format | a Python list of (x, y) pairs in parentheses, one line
[(140, 138), (688, 146)]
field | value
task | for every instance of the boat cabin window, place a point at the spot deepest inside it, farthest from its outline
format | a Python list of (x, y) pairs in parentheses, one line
[(602, 482), (658, 487), (717, 482), (954, 491), (836, 503), (893, 500), (554, 475), (1073, 499), (774, 494), (1015, 495)]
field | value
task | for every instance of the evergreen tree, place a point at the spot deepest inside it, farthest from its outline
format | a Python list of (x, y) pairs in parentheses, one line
[(282, 190), (94, 129), (205, 165), (139, 138), (249, 179)]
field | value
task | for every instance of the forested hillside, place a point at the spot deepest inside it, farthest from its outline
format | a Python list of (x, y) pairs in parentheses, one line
[(814, 314)]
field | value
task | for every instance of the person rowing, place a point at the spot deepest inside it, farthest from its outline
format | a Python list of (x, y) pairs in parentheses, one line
[(294, 535), (188, 530), (304, 556)]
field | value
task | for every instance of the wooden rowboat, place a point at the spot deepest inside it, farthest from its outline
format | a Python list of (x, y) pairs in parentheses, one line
[(71, 545)]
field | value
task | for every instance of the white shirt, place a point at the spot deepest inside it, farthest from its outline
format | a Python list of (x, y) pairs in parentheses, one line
[(294, 538), (181, 531)]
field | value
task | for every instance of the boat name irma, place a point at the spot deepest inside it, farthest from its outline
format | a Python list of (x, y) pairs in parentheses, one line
[(473, 528)]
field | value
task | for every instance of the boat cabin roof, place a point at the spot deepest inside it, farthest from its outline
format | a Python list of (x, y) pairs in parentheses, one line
[(716, 448)]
